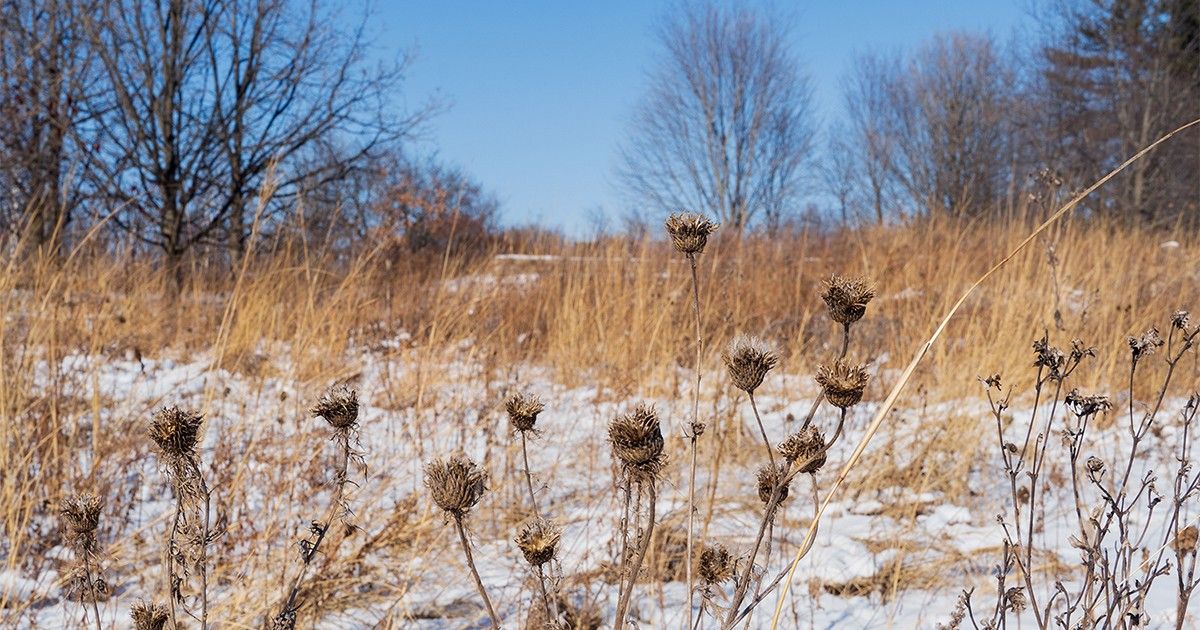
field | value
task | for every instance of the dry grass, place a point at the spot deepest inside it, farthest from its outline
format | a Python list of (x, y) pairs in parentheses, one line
[(615, 313)]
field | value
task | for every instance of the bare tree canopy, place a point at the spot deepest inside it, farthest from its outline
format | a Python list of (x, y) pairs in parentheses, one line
[(208, 97), (725, 127), (1116, 74)]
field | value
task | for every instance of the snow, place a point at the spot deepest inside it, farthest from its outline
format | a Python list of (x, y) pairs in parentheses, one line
[(954, 539)]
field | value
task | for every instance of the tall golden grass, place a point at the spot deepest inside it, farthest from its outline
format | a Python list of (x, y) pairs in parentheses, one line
[(614, 312)]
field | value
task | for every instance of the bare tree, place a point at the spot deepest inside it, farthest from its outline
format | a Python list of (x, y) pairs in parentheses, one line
[(952, 125), (871, 134), (725, 127), (209, 97), (1116, 74), (840, 172), (46, 74)]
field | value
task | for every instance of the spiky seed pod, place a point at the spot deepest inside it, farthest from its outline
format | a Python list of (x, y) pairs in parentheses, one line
[(748, 360), (847, 298), (176, 431), (148, 616), (637, 442), (806, 447), (523, 409), (81, 513), (338, 406), (538, 540), (843, 383), (456, 484), (689, 231), (769, 476), (716, 564)]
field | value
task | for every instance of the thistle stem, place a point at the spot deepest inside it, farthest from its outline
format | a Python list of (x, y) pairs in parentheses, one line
[(692, 439), (528, 478), (762, 429), (643, 545), (466, 545)]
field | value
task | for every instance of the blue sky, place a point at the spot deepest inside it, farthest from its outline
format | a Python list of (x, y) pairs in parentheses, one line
[(540, 93)]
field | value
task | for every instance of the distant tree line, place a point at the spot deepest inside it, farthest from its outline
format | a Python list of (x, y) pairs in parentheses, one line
[(199, 124), (962, 125)]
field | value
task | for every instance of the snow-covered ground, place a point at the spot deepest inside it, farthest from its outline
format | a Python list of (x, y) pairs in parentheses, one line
[(269, 455)]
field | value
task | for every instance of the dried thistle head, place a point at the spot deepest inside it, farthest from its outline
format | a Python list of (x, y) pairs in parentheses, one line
[(716, 564), (147, 616), (689, 231), (538, 541), (176, 432), (1082, 405), (81, 516), (637, 442), (523, 409), (1180, 320), (843, 383), (1145, 345), (770, 476), (1014, 599), (805, 447), (748, 360), (847, 298), (456, 484), (338, 406)]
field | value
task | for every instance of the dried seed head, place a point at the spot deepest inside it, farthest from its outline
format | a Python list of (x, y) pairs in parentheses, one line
[(456, 484), (1146, 344), (285, 620), (1014, 599), (1185, 542), (770, 476), (538, 540), (148, 616), (748, 359), (689, 231), (847, 298), (338, 406), (716, 564), (176, 431), (1180, 320), (806, 447), (1082, 405), (1048, 357), (81, 514), (842, 384), (1095, 464), (637, 442), (523, 409)]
